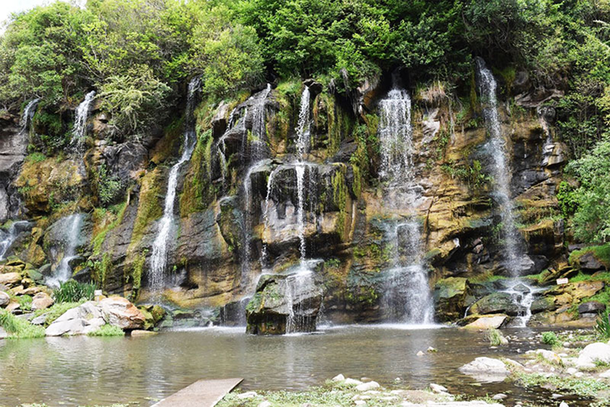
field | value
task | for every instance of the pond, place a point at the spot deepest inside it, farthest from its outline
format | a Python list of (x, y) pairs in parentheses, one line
[(89, 371)]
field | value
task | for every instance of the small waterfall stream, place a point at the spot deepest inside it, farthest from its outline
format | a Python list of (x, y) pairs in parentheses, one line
[(28, 115), (158, 263), (515, 260), (72, 239), (501, 171), (407, 295), (10, 235), (80, 120)]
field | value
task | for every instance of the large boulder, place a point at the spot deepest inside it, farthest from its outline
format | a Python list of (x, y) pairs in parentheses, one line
[(499, 302), (284, 304), (119, 311), (450, 296), (81, 320), (589, 263)]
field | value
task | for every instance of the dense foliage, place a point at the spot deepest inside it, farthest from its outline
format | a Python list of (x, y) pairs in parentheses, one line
[(139, 55)]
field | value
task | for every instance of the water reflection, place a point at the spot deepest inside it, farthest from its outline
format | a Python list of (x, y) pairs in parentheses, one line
[(88, 371)]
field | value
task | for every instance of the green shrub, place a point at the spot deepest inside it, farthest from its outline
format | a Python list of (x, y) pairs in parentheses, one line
[(25, 303), (107, 330), (73, 291), (550, 338), (602, 326), (19, 328)]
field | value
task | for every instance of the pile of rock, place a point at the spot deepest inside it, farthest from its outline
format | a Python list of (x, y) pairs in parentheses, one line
[(16, 282), (92, 315)]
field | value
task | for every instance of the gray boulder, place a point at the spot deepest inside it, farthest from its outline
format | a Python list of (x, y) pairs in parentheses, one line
[(591, 307), (81, 320)]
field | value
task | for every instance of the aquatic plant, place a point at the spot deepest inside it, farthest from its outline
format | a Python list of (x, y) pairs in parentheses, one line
[(550, 338)]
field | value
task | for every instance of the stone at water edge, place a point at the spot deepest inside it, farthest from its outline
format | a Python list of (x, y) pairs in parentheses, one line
[(81, 320), (491, 322), (352, 382), (338, 378), (548, 355), (437, 388), (119, 311), (592, 353), (367, 386), (486, 369), (141, 332), (42, 301), (499, 396), (247, 395)]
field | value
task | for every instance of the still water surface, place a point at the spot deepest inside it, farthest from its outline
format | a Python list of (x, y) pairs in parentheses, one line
[(89, 371)]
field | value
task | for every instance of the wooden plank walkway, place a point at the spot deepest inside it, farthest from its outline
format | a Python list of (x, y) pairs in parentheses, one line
[(202, 393)]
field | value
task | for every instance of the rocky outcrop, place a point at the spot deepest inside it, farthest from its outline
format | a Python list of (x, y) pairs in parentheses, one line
[(13, 149), (284, 304), (90, 316), (451, 296), (238, 198)]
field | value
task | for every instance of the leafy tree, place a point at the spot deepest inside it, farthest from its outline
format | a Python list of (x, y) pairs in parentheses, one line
[(592, 216), (134, 100)]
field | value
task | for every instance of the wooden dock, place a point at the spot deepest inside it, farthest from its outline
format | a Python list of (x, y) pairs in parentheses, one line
[(202, 393)]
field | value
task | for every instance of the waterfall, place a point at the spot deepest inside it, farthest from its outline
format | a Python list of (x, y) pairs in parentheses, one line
[(10, 236), (80, 121), (407, 293), (166, 224), (304, 125), (28, 115), (63, 272), (395, 135), (513, 258), (259, 129)]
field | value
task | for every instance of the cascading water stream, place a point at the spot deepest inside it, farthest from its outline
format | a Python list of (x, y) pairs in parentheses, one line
[(10, 236), (514, 257), (500, 168), (73, 229), (158, 263), (80, 121), (407, 297), (28, 115)]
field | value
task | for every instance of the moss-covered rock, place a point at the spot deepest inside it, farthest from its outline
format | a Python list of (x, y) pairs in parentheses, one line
[(450, 298)]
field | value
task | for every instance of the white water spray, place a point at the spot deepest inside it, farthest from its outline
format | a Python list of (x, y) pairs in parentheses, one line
[(407, 293), (80, 120), (63, 272)]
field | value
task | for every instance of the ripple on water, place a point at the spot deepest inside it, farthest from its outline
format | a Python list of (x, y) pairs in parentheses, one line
[(85, 370)]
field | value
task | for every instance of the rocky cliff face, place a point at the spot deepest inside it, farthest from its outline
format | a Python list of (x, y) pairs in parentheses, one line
[(240, 200)]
